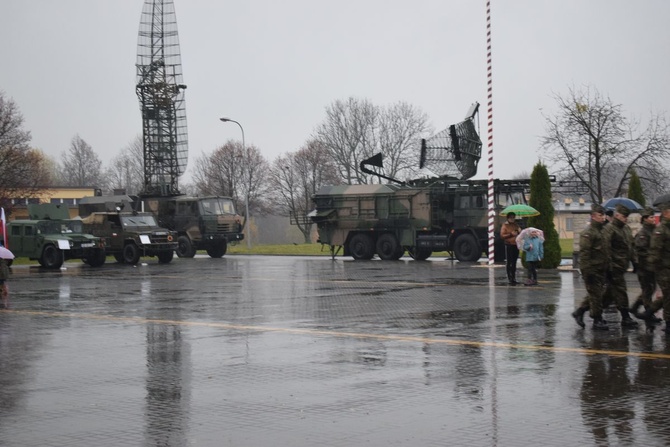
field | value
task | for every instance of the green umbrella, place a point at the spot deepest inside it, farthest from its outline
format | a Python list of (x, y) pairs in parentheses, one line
[(520, 210)]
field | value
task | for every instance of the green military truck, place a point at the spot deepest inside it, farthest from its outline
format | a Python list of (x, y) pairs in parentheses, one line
[(131, 235), (51, 237), (387, 220), (202, 223)]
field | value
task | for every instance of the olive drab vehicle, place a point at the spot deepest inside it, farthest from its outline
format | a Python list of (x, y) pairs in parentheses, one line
[(51, 237), (422, 216), (195, 223), (201, 223), (131, 235)]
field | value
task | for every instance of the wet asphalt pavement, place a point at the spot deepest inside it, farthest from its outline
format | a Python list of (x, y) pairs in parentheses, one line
[(295, 351)]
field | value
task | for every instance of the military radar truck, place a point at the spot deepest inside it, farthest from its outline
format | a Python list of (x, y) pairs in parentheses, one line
[(51, 237), (387, 220), (445, 212)]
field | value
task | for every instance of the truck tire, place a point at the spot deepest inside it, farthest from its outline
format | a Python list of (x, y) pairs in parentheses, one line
[(98, 259), (218, 250), (131, 253), (165, 257), (388, 247), (119, 258), (467, 249), (185, 247), (419, 254), (361, 247), (52, 257)]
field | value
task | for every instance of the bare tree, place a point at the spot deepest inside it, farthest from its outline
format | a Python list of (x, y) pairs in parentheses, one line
[(348, 133), (234, 171), (127, 169), (356, 129), (591, 138), (296, 177), (81, 166), (401, 127), (23, 171)]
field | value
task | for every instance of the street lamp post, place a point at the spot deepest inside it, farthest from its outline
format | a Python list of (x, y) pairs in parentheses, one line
[(246, 193)]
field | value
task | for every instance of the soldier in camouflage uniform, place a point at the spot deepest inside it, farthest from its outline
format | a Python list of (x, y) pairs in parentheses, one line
[(619, 240), (593, 264), (659, 262), (645, 276)]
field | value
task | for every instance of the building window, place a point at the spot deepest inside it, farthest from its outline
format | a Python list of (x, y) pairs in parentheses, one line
[(55, 201), (569, 224)]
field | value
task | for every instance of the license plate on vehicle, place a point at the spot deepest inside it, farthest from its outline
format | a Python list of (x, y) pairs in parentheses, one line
[(90, 244)]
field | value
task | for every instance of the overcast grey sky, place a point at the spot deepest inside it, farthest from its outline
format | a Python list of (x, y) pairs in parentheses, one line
[(275, 65)]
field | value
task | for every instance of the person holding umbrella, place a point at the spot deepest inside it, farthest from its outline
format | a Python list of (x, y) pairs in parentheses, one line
[(533, 246), (508, 232)]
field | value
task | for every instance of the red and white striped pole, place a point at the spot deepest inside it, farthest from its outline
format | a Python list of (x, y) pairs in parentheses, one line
[(490, 136)]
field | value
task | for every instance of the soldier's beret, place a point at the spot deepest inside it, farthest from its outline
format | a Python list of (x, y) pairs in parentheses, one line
[(622, 210), (664, 206), (598, 209), (648, 211)]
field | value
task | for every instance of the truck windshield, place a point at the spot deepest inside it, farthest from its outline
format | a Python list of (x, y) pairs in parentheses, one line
[(139, 221), (217, 206), (59, 227)]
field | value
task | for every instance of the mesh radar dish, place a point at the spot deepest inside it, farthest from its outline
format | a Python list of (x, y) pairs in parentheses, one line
[(160, 89), (455, 151)]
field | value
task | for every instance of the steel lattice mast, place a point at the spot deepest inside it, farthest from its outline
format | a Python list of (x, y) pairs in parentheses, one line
[(160, 90)]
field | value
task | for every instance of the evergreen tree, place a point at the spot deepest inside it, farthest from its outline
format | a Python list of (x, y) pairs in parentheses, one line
[(540, 199), (635, 188)]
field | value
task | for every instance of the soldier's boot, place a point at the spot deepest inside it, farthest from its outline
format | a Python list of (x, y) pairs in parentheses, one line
[(578, 315), (599, 324), (635, 308), (649, 320), (626, 320), (654, 318)]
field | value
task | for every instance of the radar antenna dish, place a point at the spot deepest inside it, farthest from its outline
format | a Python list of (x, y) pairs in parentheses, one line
[(160, 89), (455, 151)]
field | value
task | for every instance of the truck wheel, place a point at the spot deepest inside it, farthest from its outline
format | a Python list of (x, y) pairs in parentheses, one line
[(165, 257), (388, 247), (119, 258), (184, 247), (218, 250), (131, 254), (98, 258), (52, 258), (361, 247), (467, 249), (419, 254)]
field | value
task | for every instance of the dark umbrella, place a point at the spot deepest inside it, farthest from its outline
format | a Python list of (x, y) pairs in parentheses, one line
[(631, 204), (665, 198)]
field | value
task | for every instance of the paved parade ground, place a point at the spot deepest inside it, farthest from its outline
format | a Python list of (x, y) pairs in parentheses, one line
[(297, 351)]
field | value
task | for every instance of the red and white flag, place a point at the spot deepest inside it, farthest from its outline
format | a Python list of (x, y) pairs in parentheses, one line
[(3, 222)]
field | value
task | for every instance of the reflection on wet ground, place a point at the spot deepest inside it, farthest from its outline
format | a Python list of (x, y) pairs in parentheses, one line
[(308, 351)]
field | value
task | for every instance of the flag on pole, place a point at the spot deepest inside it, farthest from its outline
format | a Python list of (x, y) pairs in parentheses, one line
[(3, 222)]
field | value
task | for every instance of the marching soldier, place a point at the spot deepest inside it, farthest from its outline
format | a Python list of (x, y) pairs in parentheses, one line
[(593, 265), (645, 276), (659, 262), (619, 241)]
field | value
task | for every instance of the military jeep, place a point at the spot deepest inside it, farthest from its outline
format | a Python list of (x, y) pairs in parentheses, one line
[(51, 237), (131, 235)]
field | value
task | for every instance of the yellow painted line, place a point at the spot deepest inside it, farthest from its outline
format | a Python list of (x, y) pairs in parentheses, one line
[(317, 332)]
